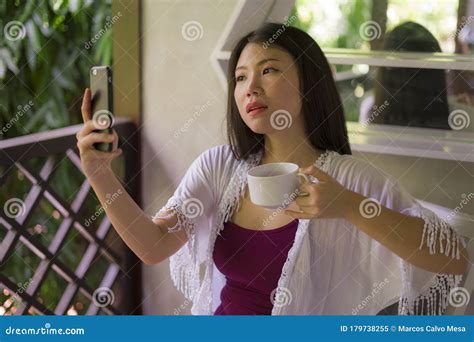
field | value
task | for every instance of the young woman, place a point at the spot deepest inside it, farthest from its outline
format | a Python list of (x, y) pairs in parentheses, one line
[(354, 244)]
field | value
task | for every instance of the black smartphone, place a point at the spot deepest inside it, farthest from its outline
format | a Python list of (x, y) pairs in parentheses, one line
[(102, 103)]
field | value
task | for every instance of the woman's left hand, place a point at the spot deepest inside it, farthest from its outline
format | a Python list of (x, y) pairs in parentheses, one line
[(326, 199)]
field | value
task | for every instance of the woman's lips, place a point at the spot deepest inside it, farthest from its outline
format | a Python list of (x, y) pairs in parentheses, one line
[(256, 111)]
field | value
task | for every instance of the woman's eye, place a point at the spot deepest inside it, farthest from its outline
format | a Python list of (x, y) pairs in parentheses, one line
[(269, 69), (241, 78)]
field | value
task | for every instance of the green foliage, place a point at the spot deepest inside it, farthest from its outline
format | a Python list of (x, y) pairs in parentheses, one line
[(42, 78), (50, 65)]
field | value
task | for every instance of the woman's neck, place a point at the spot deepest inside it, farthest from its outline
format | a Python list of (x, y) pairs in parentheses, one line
[(299, 152)]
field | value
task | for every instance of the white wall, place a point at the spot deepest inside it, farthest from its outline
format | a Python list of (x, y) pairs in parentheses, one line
[(180, 91), (184, 107)]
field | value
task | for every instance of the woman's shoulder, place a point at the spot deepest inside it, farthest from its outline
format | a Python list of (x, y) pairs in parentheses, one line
[(222, 150), (219, 157), (348, 168), (219, 153)]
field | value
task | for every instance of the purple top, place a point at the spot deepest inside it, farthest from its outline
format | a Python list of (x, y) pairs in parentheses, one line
[(251, 260)]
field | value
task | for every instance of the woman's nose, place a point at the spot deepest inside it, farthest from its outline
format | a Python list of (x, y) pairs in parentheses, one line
[(254, 88)]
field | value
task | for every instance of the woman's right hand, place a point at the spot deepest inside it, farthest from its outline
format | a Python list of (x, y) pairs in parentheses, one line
[(94, 162)]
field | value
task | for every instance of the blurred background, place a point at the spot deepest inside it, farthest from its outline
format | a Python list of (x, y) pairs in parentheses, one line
[(404, 69)]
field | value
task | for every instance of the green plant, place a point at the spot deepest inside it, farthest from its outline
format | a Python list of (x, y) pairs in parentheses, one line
[(45, 57), (50, 65)]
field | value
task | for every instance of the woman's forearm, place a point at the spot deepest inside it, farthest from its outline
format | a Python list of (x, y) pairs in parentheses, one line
[(132, 224), (402, 235)]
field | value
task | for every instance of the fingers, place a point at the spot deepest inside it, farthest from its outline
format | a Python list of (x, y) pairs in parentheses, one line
[(89, 140), (115, 141), (316, 172), (107, 155), (307, 191), (304, 201), (89, 128), (299, 215), (86, 106), (86, 129)]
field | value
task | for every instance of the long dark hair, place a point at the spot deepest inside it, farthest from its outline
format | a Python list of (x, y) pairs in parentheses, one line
[(321, 104), (416, 97)]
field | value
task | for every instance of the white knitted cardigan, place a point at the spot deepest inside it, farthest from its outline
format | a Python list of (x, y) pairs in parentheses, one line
[(332, 268)]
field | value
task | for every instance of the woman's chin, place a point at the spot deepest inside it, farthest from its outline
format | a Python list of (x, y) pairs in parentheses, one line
[(262, 130)]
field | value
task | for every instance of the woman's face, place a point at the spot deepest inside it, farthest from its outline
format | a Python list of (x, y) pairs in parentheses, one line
[(267, 78)]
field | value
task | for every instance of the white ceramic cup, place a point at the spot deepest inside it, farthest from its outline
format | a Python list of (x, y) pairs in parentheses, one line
[(274, 185)]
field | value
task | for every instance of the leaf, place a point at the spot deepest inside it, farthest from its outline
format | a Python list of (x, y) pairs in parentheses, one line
[(33, 36), (30, 56), (6, 56), (3, 69)]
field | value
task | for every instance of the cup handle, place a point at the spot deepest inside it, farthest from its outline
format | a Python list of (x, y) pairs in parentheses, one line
[(306, 179)]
